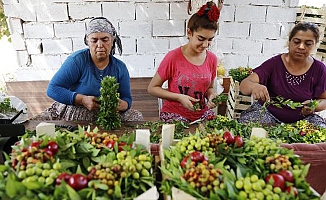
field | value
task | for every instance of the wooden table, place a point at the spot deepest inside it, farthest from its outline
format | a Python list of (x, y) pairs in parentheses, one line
[(125, 126)]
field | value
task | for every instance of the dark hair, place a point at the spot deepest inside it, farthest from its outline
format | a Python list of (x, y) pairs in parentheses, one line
[(305, 26), (205, 18)]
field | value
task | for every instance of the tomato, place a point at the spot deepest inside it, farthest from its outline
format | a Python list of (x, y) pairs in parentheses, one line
[(184, 161), (287, 175), (277, 180), (197, 156), (228, 137), (289, 190), (110, 144), (53, 146), (63, 176), (78, 181), (238, 141)]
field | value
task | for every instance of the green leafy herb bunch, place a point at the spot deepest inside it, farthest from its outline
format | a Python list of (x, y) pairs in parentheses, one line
[(240, 73), (108, 116)]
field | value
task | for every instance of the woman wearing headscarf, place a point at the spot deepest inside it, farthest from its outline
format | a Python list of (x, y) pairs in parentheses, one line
[(76, 85)]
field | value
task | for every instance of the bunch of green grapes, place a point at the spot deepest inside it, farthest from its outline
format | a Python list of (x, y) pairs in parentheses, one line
[(204, 177), (253, 187), (261, 146), (193, 143), (138, 166), (42, 173)]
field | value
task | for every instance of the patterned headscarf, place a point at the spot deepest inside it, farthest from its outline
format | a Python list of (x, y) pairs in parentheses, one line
[(101, 24)]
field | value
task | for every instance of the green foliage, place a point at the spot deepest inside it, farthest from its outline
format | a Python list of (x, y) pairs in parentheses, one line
[(220, 98), (108, 117), (5, 106), (4, 30), (240, 73)]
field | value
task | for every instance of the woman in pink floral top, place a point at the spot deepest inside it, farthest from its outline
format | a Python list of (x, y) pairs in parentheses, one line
[(190, 71)]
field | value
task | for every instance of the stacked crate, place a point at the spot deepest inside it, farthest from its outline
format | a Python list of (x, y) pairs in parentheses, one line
[(317, 16), (236, 102)]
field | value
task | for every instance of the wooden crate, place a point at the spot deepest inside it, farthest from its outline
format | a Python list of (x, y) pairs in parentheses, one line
[(236, 101)]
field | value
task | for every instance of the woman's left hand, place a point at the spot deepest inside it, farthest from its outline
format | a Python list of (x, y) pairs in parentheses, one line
[(210, 103), (306, 110), (123, 105)]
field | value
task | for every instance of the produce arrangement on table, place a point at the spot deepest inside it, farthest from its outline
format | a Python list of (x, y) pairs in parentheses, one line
[(220, 165), (76, 165)]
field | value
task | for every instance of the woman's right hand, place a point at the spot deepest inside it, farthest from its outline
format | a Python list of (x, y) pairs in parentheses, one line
[(187, 101), (90, 102), (260, 92)]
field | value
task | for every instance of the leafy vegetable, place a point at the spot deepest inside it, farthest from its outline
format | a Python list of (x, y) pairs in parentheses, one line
[(220, 98), (108, 117), (240, 73)]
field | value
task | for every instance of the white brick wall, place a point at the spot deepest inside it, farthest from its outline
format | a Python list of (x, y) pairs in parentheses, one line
[(68, 29), (250, 13), (80, 10), (38, 30), (45, 32), (265, 30), (152, 46), (169, 28), (146, 11), (119, 10), (57, 46), (47, 11)]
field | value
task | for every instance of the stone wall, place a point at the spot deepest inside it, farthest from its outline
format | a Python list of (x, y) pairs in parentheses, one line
[(45, 32)]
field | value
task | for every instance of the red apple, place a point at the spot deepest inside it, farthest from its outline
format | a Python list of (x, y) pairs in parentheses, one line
[(289, 189), (184, 161), (277, 180), (287, 175), (238, 141), (197, 156), (228, 137)]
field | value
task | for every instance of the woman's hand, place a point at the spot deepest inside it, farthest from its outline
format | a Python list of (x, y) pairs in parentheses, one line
[(210, 103), (306, 110), (123, 105), (90, 102), (187, 101), (260, 92)]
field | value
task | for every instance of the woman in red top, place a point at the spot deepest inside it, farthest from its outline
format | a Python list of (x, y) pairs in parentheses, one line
[(190, 71)]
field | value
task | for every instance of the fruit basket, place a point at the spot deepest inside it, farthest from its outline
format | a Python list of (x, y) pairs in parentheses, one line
[(220, 165), (78, 165)]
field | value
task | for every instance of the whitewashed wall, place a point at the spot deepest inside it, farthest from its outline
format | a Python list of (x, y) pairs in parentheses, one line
[(45, 32)]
